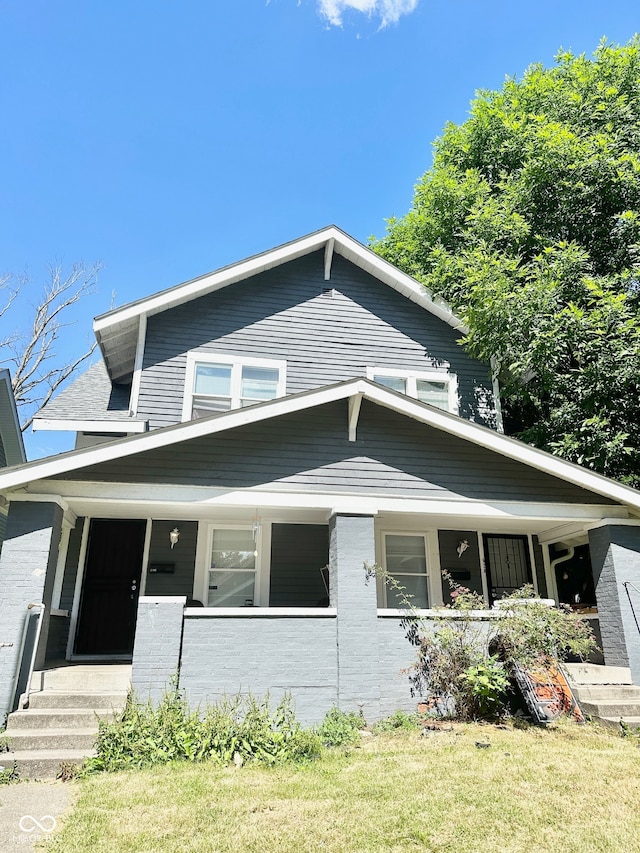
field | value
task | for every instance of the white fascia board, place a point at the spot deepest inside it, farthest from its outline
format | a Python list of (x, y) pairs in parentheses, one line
[(128, 426), (421, 412)]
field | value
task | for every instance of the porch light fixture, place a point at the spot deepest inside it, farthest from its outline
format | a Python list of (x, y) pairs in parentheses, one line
[(463, 544), (174, 535)]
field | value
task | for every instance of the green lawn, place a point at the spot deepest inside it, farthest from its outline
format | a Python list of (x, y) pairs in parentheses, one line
[(567, 789)]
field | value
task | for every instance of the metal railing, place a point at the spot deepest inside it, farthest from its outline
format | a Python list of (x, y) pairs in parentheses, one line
[(27, 654)]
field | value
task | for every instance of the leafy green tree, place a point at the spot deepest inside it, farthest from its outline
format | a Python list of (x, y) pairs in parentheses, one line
[(528, 223)]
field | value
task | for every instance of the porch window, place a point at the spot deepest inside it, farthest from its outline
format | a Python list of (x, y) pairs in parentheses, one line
[(232, 572), (406, 562), (217, 383), (435, 387)]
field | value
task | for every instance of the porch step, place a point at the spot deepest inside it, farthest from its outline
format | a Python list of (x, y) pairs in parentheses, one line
[(605, 692), (84, 678), (593, 673), (55, 739), (57, 699), (42, 763), (58, 718)]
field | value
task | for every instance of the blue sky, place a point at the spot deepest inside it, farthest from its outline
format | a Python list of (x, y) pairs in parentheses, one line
[(165, 139)]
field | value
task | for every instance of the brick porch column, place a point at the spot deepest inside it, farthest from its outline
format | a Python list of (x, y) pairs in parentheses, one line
[(27, 573), (158, 645), (351, 544), (615, 561)]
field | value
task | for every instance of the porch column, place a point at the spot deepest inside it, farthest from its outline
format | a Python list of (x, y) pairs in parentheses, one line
[(351, 544), (158, 645), (615, 561), (27, 573)]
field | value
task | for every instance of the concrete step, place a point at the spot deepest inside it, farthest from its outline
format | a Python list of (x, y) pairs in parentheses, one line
[(84, 678), (54, 699), (600, 692), (593, 673), (42, 763), (29, 739), (58, 718), (611, 708)]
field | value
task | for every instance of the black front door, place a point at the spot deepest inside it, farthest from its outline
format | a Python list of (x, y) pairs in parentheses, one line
[(508, 566), (108, 606)]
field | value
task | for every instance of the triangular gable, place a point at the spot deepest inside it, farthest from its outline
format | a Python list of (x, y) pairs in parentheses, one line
[(353, 391), (119, 330)]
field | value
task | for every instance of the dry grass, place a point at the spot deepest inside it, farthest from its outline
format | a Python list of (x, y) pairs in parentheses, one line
[(567, 789)]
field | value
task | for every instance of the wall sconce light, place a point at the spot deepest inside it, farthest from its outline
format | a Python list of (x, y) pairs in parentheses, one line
[(174, 536), (463, 544)]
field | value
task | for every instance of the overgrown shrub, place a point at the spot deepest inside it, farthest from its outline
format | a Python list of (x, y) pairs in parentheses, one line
[(340, 728), (242, 728), (463, 665)]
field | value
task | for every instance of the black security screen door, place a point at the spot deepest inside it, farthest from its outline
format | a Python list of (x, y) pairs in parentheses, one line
[(108, 607), (507, 562)]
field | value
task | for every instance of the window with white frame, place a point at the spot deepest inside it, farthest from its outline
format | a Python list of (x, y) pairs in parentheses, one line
[(405, 559), (232, 568), (435, 387), (217, 383)]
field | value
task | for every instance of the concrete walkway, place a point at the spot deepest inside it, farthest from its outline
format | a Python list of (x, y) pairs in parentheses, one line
[(30, 811)]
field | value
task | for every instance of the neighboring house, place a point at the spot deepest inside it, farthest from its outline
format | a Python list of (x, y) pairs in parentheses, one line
[(11, 444), (248, 442)]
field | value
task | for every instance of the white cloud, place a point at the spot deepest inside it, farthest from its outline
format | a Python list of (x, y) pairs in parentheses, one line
[(389, 11)]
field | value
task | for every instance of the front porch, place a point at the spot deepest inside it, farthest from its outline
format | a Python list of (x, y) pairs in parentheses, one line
[(272, 599)]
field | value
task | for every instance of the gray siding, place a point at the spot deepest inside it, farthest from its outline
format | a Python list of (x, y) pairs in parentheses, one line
[(324, 337), (310, 451), (3, 455), (182, 556), (459, 567)]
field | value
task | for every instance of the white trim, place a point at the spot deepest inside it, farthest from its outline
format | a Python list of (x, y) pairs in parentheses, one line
[(496, 394), (253, 612), (77, 592), (263, 545), (258, 563), (437, 418), (196, 357), (145, 557), (438, 613), (63, 547), (328, 257), (552, 583), (137, 367), (384, 533), (532, 561), (483, 568), (355, 403), (412, 376), (120, 426)]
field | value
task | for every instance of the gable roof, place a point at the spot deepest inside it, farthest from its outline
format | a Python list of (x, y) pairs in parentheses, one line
[(118, 331), (11, 442), (353, 390)]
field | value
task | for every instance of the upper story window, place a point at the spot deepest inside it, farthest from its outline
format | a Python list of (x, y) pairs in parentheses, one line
[(217, 383), (434, 387)]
